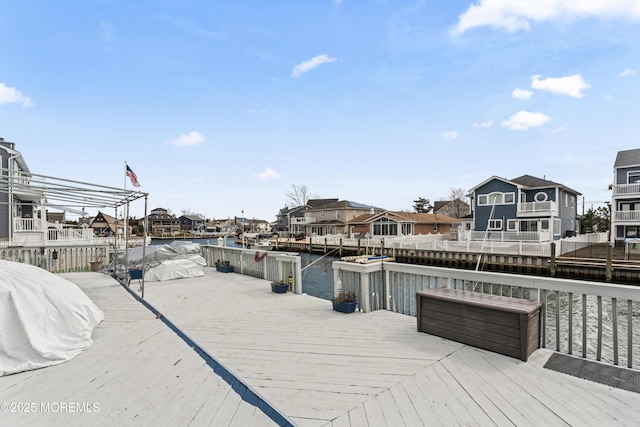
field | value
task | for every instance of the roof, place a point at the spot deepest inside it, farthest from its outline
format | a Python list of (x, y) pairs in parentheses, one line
[(527, 182), (415, 217), (627, 158), (534, 182)]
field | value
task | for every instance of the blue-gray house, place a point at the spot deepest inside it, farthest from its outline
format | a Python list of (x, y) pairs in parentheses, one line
[(524, 208)]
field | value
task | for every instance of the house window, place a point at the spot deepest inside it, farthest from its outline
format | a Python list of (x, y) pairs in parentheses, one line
[(385, 227), (566, 200), (573, 201), (337, 214), (496, 198), (495, 224), (511, 224), (556, 226), (436, 227), (633, 177), (540, 197), (407, 229), (531, 225), (322, 213), (544, 225)]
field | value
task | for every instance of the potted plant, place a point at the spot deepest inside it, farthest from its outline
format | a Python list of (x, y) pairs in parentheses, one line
[(279, 287), (345, 302), (224, 267)]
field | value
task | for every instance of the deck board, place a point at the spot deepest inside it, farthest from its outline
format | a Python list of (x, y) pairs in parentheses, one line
[(316, 366), (138, 371)]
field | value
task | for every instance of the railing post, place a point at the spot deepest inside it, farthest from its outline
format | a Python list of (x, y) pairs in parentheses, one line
[(365, 295), (608, 273), (552, 260)]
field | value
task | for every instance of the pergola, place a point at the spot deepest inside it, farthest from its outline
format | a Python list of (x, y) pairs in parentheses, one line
[(68, 195)]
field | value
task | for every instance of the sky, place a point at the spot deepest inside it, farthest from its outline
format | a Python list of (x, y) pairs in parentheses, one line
[(222, 107)]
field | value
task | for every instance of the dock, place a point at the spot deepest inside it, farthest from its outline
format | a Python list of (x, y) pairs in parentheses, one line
[(286, 359)]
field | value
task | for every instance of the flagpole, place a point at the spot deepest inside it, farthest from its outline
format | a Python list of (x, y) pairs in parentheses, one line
[(126, 224)]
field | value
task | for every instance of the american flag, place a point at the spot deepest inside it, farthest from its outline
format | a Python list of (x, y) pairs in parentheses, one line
[(132, 176)]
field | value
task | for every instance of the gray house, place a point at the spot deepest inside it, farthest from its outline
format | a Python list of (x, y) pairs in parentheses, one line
[(524, 208), (625, 201)]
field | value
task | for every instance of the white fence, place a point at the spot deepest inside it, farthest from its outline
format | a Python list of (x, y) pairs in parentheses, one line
[(589, 319), (438, 242)]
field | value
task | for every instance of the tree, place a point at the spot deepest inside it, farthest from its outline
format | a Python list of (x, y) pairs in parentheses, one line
[(299, 195), (422, 205), (458, 207), (596, 220)]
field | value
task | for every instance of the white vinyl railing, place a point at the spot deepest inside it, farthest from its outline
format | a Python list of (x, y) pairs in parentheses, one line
[(626, 190), (59, 259), (538, 207), (626, 215), (272, 266), (589, 319), (436, 242), (27, 224)]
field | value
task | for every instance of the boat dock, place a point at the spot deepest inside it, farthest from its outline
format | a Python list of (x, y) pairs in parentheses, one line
[(222, 349)]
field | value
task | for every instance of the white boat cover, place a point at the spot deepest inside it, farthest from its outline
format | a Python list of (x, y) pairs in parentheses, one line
[(177, 260), (44, 319)]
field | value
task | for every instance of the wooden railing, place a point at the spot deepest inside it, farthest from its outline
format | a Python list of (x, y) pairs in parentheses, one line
[(588, 319)]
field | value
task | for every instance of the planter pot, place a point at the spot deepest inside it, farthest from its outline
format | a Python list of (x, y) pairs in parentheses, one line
[(224, 268), (95, 265), (279, 288), (345, 307)]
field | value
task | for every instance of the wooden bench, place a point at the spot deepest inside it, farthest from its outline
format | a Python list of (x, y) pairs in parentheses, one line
[(505, 325)]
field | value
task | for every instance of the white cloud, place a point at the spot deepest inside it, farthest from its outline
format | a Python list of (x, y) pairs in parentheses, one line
[(450, 136), (188, 139), (569, 85), (518, 15), (483, 125), (523, 120), (268, 174), (521, 93), (11, 95), (627, 72), (309, 65)]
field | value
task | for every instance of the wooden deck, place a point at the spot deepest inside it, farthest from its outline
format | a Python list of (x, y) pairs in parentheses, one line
[(316, 366)]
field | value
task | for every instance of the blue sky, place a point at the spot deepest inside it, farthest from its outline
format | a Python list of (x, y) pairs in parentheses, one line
[(221, 106)]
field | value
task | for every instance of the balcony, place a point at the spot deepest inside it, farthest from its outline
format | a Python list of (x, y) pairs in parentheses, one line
[(626, 190), (302, 220), (537, 208), (626, 216)]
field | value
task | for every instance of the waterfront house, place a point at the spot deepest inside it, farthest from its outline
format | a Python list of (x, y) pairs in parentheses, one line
[(396, 223), (104, 225), (192, 223), (625, 200), (18, 207), (323, 217), (521, 209), (292, 221), (161, 222)]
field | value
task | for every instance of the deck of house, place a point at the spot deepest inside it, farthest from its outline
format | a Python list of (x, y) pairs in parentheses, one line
[(298, 361)]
